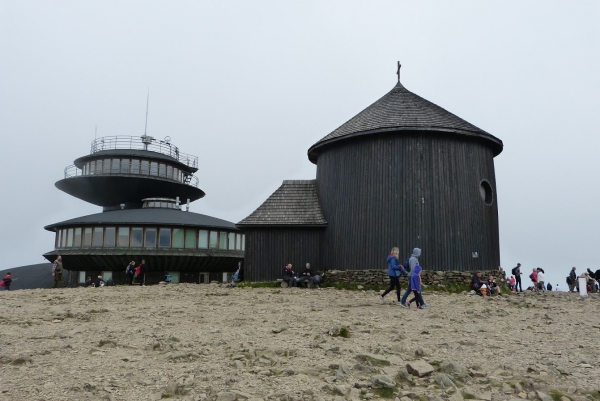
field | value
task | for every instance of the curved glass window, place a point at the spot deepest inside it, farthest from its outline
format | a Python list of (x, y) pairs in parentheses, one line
[(123, 237), (153, 168), (170, 172), (213, 241), (63, 239), (116, 166), (190, 238), (125, 166), (109, 236), (222, 240), (87, 237), (162, 170), (145, 167), (203, 239), (136, 237), (135, 166), (231, 241), (106, 166), (164, 238), (178, 238), (98, 236), (77, 237), (150, 238), (243, 242), (238, 242)]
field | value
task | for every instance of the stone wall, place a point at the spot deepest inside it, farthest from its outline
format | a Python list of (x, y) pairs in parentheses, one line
[(429, 277)]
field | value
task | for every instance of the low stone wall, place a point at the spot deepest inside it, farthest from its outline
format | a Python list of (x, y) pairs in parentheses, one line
[(428, 277)]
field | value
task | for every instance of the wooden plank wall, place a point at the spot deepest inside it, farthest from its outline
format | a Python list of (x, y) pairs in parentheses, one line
[(268, 250), (408, 190)]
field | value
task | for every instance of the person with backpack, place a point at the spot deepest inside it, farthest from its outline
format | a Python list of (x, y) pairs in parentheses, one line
[(572, 280), (409, 266), (6, 281), (130, 271), (516, 271), (57, 272), (395, 270), (534, 279)]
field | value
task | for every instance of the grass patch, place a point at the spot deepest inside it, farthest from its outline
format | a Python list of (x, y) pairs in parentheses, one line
[(385, 392), (174, 339), (266, 284), (166, 395), (155, 346), (468, 396), (556, 395), (345, 332), (353, 287), (451, 288)]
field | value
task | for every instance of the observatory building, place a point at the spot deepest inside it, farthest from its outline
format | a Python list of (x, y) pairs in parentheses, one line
[(403, 172), (142, 184)]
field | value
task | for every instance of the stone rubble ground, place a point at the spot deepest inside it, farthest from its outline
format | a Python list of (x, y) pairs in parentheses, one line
[(208, 342)]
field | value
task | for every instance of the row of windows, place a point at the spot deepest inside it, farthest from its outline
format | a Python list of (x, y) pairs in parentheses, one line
[(148, 237), (132, 166)]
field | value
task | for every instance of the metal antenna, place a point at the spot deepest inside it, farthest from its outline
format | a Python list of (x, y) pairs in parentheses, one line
[(147, 103), (398, 72)]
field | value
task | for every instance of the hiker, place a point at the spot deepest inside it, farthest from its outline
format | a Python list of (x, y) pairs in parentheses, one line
[(88, 282), (540, 279), (516, 271), (572, 279), (512, 283), (477, 283), (289, 276), (415, 284), (549, 287), (57, 272), (238, 276), (409, 266), (140, 272), (557, 288), (395, 270), (6, 281), (492, 286), (130, 271), (308, 276), (534, 278)]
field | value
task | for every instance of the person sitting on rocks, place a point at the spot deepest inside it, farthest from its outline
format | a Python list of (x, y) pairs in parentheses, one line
[(307, 277), (289, 276), (238, 276), (99, 282), (549, 287), (88, 282), (493, 287), (477, 282)]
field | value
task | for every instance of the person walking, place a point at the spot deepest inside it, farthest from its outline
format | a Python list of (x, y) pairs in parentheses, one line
[(516, 271), (413, 261), (415, 284), (130, 271), (57, 272), (572, 280), (395, 270)]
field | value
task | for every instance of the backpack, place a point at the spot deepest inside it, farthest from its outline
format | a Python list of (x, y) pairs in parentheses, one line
[(138, 270), (514, 271), (2, 283), (531, 276), (407, 265)]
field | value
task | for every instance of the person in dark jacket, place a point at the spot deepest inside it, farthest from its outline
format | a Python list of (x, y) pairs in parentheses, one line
[(142, 269), (395, 270), (88, 282), (308, 276), (517, 273), (99, 282), (130, 271), (6, 281), (413, 261), (572, 279), (289, 276)]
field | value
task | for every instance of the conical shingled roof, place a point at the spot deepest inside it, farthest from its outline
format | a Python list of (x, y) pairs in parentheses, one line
[(402, 110), (294, 203)]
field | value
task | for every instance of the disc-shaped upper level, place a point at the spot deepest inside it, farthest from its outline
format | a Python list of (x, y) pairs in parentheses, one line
[(402, 110)]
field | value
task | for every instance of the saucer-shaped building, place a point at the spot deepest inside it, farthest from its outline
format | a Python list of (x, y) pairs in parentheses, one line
[(403, 172), (143, 185)]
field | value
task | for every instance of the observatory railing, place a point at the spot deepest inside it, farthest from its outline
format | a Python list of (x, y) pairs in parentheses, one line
[(73, 171), (145, 142)]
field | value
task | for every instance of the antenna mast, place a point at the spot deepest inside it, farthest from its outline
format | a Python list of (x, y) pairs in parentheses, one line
[(147, 103)]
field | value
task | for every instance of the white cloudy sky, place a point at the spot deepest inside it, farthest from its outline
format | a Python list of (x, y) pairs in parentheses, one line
[(248, 86)]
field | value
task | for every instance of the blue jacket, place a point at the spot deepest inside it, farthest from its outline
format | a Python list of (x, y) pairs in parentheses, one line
[(394, 268)]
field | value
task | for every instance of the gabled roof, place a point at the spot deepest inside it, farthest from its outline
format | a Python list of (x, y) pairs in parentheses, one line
[(148, 216), (294, 203), (402, 110)]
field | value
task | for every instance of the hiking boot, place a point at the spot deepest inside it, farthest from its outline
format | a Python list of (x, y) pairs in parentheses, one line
[(381, 299), (424, 306), (401, 304)]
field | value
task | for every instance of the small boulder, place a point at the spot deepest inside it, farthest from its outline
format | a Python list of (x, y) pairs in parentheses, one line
[(419, 368), (383, 381), (443, 380), (544, 396)]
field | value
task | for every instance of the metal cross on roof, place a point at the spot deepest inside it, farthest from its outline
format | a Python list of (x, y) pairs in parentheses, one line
[(398, 72)]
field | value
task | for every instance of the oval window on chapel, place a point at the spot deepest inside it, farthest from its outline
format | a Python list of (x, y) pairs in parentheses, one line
[(485, 190)]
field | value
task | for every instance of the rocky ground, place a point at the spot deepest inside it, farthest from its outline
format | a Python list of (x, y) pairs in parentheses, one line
[(207, 342)]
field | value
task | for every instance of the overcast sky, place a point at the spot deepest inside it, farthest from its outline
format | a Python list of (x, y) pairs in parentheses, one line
[(249, 86)]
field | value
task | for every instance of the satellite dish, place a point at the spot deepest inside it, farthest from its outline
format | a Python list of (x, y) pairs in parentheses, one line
[(167, 139)]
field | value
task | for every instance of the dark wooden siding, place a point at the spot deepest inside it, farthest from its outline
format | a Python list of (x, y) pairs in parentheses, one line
[(268, 250), (408, 190)]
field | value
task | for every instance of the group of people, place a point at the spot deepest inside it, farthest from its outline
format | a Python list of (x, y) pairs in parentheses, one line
[(136, 272), (592, 280), (410, 268), (5, 282), (483, 287), (307, 278)]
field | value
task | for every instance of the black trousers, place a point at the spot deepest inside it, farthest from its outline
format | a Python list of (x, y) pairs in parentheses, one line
[(141, 278), (130, 276), (418, 298), (518, 283), (394, 282)]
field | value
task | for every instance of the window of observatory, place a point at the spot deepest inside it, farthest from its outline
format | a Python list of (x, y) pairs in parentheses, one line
[(77, 237), (150, 238), (135, 166), (178, 235), (164, 238), (222, 240), (136, 237), (98, 234), (110, 237), (87, 237), (190, 238), (485, 190), (213, 242), (123, 237), (203, 239)]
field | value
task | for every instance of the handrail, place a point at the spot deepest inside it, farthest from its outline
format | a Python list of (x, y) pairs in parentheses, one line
[(73, 171), (145, 142)]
